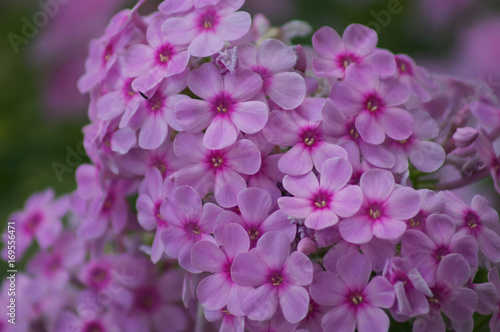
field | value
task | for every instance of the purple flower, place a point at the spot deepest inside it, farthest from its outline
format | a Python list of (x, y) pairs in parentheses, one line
[(432, 202), (278, 276), (355, 301), (339, 126), (494, 278), (152, 193), (176, 6), (205, 29), (273, 61), (426, 156), (157, 112), (309, 146), (321, 203), (254, 206), (189, 222), (428, 249), (229, 322), (449, 296), (226, 107), (153, 62), (218, 290), (416, 78), (383, 210), (410, 288), (40, 219), (477, 221), (357, 45), (217, 171), (373, 102)]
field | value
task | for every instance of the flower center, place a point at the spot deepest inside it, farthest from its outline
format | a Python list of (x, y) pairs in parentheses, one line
[(472, 220), (33, 222), (165, 53), (253, 233), (147, 299), (404, 67), (440, 253), (222, 104), (321, 200), (373, 103), (310, 136), (208, 20), (374, 212), (356, 299), (416, 221), (193, 228), (346, 59), (217, 162), (276, 279), (353, 132)]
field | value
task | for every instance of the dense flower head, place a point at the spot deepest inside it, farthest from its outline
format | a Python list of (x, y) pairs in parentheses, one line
[(239, 178)]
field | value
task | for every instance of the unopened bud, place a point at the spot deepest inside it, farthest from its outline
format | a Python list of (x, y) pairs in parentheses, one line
[(465, 136), (307, 246)]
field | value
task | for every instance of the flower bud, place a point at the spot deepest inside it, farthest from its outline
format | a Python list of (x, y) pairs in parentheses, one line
[(465, 136)]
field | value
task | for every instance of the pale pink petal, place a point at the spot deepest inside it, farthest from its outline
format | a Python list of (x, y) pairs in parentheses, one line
[(341, 318), (296, 161), (370, 129), (360, 39), (242, 85), (188, 201), (323, 151), (249, 270), (254, 205), (213, 291), (397, 123), (261, 303), (228, 184), (347, 201), (347, 99), (363, 78), (379, 292), (206, 82), (179, 30), (372, 319), (243, 157), (139, 59), (403, 203), (298, 270), (388, 229), (193, 115), (233, 26), (357, 229), (274, 249), (297, 207), (236, 240), (287, 89), (383, 61), (206, 256), (377, 184), (220, 133), (393, 93), (335, 173), (294, 302), (205, 44), (321, 219), (276, 56), (301, 186), (153, 132), (426, 156), (189, 147), (249, 116), (327, 42)]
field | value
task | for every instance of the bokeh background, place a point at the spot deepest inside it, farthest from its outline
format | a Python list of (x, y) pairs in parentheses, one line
[(42, 113)]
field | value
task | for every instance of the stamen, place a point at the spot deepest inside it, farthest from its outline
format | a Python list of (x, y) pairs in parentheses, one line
[(375, 214), (164, 58), (357, 299), (207, 25), (309, 141), (320, 205)]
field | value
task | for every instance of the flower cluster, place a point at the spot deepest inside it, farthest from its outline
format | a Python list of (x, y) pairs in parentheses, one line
[(259, 185)]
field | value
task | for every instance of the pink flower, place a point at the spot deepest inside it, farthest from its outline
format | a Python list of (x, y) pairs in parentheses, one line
[(218, 171), (357, 45), (226, 107), (355, 302), (155, 61), (218, 290), (321, 203), (416, 78), (278, 276), (255, 206), (205, 29), (189, 222), (178, 6), (309, 146), (157, 112), (384, 209), (273, 61), (373, 102), (40, 219)]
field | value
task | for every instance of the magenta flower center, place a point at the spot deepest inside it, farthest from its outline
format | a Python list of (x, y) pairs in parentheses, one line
[(32, 224), (374, 211), (208, 20), (417, 220), (157, 214), (160, 165), (276, 279), (217, 161), (222, 104), (147, 299), (108, 203), (127, 89), (155, 103), (98, 277), (253, 233), (373, 103), (193, 228), (472, 220), (108, 52), (53, 265), (440, 253), (165, 53), (93, 327), (346, 59), (404, 67), (321, 200), (356, 298), (310, 137), (353, 132)]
